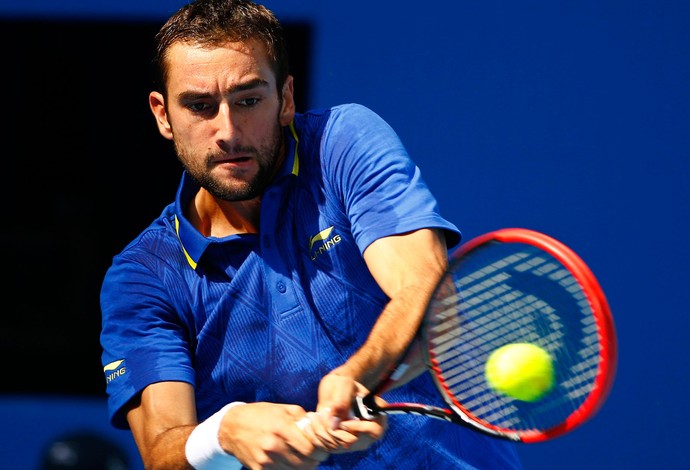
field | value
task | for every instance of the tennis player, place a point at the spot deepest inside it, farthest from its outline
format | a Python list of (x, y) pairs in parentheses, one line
[(288, 274)]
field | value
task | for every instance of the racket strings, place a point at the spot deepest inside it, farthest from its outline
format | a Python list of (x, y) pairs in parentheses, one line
[(497, 304)]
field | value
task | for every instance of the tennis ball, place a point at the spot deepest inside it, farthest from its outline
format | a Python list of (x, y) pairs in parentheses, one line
[(520, 370)]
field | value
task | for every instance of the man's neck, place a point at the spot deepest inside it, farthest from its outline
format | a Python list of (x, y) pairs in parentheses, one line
[(217, 218)]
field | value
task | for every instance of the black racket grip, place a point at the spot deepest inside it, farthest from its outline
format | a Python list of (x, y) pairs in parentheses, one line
[(362, 410)]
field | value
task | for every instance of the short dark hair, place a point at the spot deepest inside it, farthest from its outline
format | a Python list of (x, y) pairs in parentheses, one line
[(215, 22)]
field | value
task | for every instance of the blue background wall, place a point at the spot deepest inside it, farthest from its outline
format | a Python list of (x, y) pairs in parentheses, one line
[(568, 117)]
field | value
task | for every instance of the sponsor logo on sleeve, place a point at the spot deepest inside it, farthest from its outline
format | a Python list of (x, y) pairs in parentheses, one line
[(114, 370)]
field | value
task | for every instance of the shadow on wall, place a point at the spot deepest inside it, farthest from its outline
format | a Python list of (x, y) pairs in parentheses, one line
[(56, 432), (84, 450)]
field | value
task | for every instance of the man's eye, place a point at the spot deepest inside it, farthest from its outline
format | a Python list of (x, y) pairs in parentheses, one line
[(198, 107), (249, 102)]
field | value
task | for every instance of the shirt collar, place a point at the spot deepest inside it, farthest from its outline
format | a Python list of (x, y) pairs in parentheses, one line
[(194, 243), (291, 163)]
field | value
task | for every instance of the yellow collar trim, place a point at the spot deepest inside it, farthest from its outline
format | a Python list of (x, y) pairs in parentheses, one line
[(295, 165), (191, 262)]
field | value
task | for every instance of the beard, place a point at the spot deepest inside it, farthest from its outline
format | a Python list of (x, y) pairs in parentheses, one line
[(234, 189)]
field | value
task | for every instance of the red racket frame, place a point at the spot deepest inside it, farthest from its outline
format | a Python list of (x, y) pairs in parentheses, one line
[(603, 319)]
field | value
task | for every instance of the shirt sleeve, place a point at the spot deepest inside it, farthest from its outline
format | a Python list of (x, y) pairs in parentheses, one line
[(143, 339), (370, 170)]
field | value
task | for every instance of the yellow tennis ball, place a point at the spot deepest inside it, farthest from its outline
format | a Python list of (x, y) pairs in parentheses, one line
[(520, 370)]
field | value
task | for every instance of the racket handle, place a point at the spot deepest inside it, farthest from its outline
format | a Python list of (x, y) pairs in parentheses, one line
[(305, 421)]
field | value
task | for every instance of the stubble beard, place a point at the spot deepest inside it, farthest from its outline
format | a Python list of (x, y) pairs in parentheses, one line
[(236, 190)]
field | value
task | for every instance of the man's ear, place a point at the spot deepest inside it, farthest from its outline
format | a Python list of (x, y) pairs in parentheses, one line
[(157, 105), (287, 112)]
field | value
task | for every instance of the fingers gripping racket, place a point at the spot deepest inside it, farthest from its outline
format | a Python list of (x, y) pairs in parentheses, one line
[(513, 286)]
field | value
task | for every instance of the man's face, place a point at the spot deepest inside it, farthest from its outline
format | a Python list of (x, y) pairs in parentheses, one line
[(225, 116)]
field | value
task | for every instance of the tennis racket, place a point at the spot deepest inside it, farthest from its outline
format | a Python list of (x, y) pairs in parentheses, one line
[(512, 286)]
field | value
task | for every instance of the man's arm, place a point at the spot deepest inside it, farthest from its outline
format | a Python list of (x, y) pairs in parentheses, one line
[(161, 420), (260, 435), (407, 267)]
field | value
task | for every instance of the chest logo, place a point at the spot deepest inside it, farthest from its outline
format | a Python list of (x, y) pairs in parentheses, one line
[(322, 242)]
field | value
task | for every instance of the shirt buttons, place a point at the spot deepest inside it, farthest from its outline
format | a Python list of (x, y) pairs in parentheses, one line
[(280, 285)]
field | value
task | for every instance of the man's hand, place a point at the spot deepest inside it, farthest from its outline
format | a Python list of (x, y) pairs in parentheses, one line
[(334, 425), (266, 436)]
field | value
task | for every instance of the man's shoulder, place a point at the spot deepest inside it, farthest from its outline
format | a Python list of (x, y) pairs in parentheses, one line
[(156, 240), (339, 111), (340, 121)]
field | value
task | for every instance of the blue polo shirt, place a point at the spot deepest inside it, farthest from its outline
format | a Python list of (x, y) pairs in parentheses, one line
[(262, 317)]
